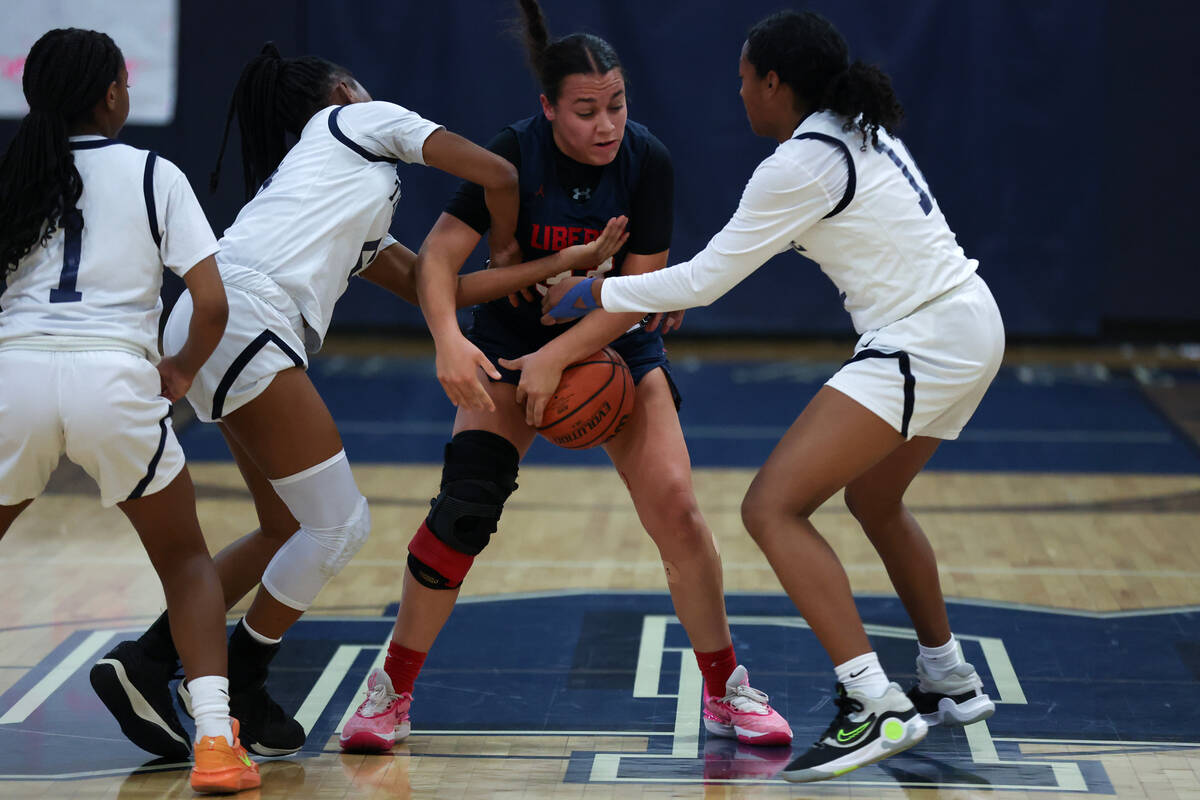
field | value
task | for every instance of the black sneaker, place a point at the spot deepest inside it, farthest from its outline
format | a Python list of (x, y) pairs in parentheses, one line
[(136, 689), (955, 699), (865, 730), (266, 729)]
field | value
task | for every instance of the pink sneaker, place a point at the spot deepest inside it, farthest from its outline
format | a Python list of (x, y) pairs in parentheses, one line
[(381, 720), (743, 714)]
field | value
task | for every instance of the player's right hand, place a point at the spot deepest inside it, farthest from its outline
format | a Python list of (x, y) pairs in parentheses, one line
[(174, 381), (458, 365)]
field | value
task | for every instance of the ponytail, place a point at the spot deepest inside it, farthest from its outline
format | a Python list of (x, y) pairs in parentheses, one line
[(67, 72), (274, 97), (863, 95), (553, 61)]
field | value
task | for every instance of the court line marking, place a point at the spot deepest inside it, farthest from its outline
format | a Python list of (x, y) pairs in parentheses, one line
[(1067, 775), (1095, 742), (83, 653), (685, 744), (322, 691)]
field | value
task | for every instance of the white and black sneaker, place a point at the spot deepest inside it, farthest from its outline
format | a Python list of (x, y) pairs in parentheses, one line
[(865, 730), (955, 699), (136, 689)]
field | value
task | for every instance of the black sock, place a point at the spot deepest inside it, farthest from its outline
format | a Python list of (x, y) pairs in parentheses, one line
[(248, 659), (157, 641)]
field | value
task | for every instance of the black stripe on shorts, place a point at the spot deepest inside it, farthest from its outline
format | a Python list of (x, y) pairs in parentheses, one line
[(150, 470), (910, 382), (242, 360)]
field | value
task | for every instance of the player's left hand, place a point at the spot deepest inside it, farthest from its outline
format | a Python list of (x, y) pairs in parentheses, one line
[(174, 381), (671, 321), (540, 375)]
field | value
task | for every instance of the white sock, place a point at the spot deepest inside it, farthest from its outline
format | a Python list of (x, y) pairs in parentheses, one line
[(258, 637), (863, 674), (939, 661), (210, 707)]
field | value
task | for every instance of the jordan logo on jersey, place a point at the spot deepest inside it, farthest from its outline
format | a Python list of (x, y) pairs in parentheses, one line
[(581, 195)]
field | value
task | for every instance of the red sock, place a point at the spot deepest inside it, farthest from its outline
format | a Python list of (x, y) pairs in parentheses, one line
[(402, 666), (716, 668)]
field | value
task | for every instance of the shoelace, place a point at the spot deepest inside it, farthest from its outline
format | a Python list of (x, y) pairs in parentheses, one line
[(748, 700), (846, 706), (378, 700)]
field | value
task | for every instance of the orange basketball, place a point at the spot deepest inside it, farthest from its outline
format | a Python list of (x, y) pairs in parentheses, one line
[(593, 401)]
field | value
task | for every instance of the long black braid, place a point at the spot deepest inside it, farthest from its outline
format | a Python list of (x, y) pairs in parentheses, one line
[(275, 96), (67, 72), (809, 55)]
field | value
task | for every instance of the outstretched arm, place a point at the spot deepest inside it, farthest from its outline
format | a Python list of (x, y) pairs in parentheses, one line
[(394, 268), (780, 202)]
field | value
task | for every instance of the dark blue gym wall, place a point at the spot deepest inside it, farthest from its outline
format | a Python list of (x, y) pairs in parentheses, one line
[(1056, 137)]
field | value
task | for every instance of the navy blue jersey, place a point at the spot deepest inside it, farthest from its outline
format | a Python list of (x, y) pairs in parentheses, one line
[(564, 203)]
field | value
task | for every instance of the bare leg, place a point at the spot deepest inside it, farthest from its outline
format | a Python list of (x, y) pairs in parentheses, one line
[(241, 564), (652, 458), (424, 611), (167, 525), (876, 498), (832, 442), (284, 430)]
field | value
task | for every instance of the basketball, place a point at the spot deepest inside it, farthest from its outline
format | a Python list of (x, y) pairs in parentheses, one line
[(593, 402)]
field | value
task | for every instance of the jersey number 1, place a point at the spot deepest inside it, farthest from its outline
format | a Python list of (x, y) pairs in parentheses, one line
[(72, 223), (922, 195)]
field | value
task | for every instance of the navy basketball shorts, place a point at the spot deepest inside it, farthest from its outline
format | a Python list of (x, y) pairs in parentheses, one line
[(642, 350)]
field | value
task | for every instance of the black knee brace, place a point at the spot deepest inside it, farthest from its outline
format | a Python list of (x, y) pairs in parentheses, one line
[(478, 475)]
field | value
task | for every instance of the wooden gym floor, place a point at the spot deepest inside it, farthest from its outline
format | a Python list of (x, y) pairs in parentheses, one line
[(1066, 532)]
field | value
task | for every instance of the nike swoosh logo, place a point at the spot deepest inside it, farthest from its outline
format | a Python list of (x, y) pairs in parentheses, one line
[(847, 736), (860, 672)]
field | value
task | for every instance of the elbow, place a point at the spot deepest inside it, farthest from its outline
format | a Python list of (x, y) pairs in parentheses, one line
[(504, 177), (214, 310)]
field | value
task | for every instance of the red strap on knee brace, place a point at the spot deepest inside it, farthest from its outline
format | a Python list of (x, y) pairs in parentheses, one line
[(433, 552)]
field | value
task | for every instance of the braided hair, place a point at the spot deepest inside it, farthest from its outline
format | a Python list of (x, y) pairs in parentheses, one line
[(275, 96), (68, 71), (810, 56), (553, 61)]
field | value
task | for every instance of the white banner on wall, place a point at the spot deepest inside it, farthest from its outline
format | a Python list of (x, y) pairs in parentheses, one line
[(147, 31)]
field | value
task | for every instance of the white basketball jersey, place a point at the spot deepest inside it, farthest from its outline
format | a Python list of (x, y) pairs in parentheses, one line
[(325, 212), (95, 284), (886, 245)]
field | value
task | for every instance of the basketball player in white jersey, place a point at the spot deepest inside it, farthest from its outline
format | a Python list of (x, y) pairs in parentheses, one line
[(86, 226), (844, 191), (318, 214)]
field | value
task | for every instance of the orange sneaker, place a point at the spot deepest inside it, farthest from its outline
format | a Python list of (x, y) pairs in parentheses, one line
[(221, 769)]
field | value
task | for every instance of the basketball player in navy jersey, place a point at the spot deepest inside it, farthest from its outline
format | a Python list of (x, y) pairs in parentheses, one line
[(844, 191), (317, 215), (581, 162), (87, 225)]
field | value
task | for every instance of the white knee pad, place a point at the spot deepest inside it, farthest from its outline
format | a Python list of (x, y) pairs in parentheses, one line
[(334, 524)]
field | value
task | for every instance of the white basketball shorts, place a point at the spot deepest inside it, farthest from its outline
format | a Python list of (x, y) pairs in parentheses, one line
[(101, 407), (926, 373), (262, 338)]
